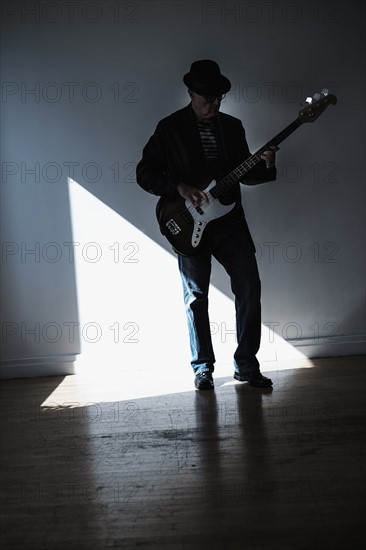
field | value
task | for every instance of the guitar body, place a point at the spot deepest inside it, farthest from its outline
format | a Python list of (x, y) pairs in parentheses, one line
[(188, 228)]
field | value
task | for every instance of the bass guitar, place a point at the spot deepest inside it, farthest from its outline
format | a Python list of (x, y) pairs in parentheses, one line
[(187, 227)]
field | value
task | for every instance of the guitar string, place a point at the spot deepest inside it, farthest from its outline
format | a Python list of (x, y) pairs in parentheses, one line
[(230, 179), (235, 175), (223, 185)]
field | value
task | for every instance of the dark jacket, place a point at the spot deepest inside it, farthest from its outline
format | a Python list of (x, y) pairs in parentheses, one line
[(174, 154)]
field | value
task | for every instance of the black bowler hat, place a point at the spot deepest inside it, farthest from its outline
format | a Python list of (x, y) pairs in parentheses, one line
[(205, 78)]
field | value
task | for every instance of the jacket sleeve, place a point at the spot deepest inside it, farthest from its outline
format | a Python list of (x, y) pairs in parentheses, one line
[(151, 171), (259, 173)]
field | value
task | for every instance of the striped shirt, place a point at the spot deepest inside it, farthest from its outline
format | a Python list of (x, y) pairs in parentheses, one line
[(207, 131)]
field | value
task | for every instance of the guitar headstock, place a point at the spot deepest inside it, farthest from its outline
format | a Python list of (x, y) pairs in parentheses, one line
[(316, 105)]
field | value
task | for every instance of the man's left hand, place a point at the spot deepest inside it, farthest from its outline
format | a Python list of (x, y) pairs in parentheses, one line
[(270, 156)]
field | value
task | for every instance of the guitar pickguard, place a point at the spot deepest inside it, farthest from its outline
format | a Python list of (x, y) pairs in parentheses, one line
[(205, 213)]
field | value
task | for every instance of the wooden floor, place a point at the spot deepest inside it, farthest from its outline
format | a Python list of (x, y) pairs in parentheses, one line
[(237, 468)]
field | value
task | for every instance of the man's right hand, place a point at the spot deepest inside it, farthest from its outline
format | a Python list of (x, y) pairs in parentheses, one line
[(194, 195)]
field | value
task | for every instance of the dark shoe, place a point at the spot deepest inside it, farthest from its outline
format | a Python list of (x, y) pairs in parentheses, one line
[(204, 381), (255, 379)]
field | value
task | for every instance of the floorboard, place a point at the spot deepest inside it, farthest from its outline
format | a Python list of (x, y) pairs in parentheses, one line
[(235, 468)]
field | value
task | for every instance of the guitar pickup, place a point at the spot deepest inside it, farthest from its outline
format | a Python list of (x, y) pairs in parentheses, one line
[(173, 227)]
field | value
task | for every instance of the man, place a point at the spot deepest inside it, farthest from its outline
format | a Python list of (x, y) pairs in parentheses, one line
[(184, 147)]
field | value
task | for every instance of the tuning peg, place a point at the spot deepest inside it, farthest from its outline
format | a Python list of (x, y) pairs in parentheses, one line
[(309, 100), (324, 91), (316, 97)]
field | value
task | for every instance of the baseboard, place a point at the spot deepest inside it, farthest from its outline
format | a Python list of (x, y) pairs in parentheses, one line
[(58, 365), (335, 346), (62, 365)]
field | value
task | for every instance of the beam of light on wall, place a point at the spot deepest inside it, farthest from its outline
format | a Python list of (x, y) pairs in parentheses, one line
[(134, 338)]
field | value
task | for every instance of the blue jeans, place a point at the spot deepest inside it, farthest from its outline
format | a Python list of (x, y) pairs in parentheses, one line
[(233, 248)]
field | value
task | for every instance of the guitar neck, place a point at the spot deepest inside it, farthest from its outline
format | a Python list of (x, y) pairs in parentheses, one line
[(239, 172)]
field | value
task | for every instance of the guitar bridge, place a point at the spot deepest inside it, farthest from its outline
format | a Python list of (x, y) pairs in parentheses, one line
[(173, 227)]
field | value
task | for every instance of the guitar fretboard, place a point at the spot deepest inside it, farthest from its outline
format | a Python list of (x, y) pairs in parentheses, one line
[(237, 174)]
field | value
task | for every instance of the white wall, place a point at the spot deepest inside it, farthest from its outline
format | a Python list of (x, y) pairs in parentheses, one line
[(102, 77)]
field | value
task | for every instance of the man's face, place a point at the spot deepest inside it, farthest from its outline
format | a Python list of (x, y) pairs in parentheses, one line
[(205, 107)]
